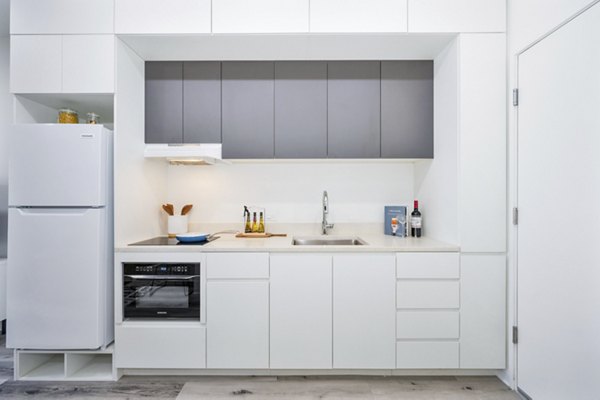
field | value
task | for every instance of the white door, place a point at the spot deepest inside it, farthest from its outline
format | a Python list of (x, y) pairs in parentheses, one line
[(301, 311), (58, 165), (54, 278), (364, 311), (559, 221)]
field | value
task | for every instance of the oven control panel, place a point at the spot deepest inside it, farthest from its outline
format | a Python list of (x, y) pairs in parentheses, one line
[(161, 269)]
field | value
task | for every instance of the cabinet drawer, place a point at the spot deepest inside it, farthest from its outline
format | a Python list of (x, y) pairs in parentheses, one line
[(427, 325), (427, 355), (237, 265), (427, 294), (427, 265), (178, 345)]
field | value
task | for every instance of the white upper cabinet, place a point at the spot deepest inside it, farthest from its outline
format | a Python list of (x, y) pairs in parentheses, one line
[(61, 16), (161, 16), (358, 16), (36, 64), (88, 71), (62, 63), (260, 16), (456, 15)]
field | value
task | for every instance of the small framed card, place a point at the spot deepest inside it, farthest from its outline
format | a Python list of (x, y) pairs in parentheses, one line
[(395, 221)]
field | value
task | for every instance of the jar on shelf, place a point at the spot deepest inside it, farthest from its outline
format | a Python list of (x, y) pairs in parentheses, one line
[(67, 116), (93, 118)]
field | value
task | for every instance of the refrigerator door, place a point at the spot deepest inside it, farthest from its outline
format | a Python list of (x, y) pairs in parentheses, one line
[(58, 165), (56, 277)]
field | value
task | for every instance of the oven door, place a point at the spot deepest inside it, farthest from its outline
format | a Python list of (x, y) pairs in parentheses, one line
[(161, 297)]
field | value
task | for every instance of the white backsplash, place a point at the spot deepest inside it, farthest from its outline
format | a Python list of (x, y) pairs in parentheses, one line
[(291, 192)]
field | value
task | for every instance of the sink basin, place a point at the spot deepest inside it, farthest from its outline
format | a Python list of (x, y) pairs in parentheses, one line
[(328, 241)]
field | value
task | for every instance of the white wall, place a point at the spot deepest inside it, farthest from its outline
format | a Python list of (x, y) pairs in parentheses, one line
[(140, 185), (436, 181), (291, 192)]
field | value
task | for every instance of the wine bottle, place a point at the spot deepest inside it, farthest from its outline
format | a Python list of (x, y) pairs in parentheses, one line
[(254, 223), (415, 221), (261, 224), (248, 226)]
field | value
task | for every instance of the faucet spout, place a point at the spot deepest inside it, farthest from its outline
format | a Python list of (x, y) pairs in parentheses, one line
[(324, 225)]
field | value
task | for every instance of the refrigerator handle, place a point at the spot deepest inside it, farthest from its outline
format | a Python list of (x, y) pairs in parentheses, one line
[(52, 211)]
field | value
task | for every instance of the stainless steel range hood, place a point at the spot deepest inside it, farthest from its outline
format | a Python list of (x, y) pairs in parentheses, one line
[(186, 154)]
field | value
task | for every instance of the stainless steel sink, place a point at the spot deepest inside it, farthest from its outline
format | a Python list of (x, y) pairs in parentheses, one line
[(328, 241)]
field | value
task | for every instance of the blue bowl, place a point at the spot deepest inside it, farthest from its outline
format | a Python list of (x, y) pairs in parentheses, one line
[(192, 237)]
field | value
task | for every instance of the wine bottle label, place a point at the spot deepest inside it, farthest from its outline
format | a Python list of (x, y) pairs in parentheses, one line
[(415, 222)]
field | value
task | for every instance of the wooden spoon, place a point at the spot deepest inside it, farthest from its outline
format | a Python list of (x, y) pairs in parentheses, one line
[(168, 208), (186, 209)]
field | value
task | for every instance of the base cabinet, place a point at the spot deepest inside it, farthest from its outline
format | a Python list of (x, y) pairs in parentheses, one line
[(237, 320), (157, 345), (301, 310), (364, 311)]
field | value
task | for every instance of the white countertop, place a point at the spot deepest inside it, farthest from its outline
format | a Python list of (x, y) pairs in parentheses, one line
[(376, 242)]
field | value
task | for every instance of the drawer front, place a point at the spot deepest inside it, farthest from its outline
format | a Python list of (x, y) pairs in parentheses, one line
[(237, 265), (155, 346), (427, 325), (432, 355), (427, 294), (427, 265)]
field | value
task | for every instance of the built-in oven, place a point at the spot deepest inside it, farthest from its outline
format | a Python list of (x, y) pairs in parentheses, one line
[(161, 291)]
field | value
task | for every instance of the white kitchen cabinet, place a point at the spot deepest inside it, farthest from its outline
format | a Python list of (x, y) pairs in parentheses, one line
[(160, 16), (301, 311), (427, 324), (364, 311), (88, 64), (482, 121), (483, 311), (237, 265), (62, 64), (456, 15), (61, 16), (237, 321), (358, 16), (260, 16), (36, 64), (427, 354), (427, 265), (428, 294), (167, 344)]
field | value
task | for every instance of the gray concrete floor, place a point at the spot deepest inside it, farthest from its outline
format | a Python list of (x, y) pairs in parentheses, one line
[(255, 388)]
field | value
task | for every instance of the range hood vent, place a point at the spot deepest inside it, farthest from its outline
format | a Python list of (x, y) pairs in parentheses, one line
[(186, 154)]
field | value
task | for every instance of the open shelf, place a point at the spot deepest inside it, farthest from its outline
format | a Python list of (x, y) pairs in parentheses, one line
[(89, 367), (41, 366), (68, 365)]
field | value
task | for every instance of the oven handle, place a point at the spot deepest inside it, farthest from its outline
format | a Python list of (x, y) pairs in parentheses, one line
[(163, 277)]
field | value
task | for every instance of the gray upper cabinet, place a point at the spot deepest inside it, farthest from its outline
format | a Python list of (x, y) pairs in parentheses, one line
[(301, 109), (354, 129), (248, 109), (164, 102), (202, 102), (407, 109)]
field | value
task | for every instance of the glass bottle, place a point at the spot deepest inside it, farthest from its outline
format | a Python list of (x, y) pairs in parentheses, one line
[(261, 224), (254, 224)]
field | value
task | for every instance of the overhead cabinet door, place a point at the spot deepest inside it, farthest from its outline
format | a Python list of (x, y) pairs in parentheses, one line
[(164, 102), (301, 109), (202, 102), (354, 109), (407, 109), (247, 114)]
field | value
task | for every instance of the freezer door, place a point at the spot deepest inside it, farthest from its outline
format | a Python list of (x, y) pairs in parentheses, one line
[(58, 165), (56, 278)]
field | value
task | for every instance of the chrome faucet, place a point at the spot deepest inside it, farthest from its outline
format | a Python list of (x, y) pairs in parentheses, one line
[(324, 224)]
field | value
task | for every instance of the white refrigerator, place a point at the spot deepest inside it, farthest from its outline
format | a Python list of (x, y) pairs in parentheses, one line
[(60, 237)]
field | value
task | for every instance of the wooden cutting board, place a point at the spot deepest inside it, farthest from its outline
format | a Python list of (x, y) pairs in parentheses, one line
[(259, 235)]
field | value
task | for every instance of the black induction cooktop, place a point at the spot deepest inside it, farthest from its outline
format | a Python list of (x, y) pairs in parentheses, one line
[(166, 241)]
